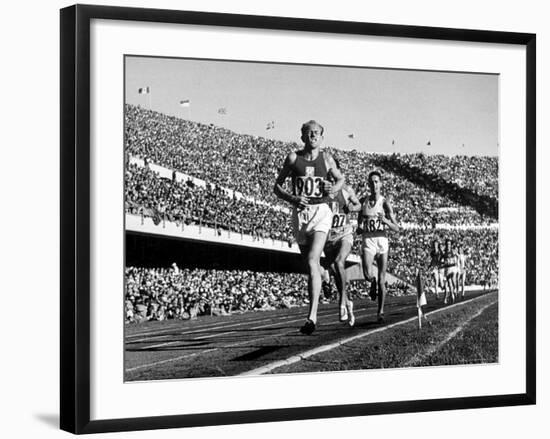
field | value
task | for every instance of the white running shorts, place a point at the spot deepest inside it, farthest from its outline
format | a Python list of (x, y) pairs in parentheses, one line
[(311, 219), (375, 246), (451, 271)]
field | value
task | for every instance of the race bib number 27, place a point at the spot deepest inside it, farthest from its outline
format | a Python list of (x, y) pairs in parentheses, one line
[(338, 220)]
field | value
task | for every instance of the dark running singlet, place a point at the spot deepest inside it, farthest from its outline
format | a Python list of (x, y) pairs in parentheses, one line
[(308, 178), (436, 259), (449, 259)]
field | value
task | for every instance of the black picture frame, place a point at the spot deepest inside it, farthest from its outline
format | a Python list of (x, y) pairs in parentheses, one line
[(75, 217)]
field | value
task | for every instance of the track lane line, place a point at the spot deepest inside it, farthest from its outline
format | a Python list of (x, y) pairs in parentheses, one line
[(180, 357), (199, 327), (225, 333), (221, 325), (420, 357), (282, 319)]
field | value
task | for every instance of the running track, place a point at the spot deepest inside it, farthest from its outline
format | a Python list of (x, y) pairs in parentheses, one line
[(231, 345)]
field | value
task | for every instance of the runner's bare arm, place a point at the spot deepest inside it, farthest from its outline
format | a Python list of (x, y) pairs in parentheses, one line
[(354, 205), (336, 174), (389, 217), (359, 229), (283, 174)]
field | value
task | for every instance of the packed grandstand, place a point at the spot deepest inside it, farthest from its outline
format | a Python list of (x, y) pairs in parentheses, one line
[(434, 197)]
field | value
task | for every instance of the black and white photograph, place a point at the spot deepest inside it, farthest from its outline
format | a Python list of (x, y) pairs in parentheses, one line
[(284, 218)]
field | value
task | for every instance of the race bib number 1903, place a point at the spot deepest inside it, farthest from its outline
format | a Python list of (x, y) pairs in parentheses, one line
[(308, 186)]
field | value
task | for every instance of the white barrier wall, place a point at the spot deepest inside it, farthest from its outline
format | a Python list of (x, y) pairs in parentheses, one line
[(137, 223)]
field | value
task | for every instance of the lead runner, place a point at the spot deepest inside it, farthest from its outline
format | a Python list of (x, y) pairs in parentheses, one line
[(309, 170)]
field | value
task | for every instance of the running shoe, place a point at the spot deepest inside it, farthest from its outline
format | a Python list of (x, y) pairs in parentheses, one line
[(351, 321), (343, 314), (380, 318), (372, 293), (308, 327)]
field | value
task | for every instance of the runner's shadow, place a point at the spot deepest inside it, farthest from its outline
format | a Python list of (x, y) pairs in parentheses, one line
[(262, 351), (368, 325), (278, 328)]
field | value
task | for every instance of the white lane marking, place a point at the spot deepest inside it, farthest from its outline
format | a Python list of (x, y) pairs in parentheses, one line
[(216, 335), (169, 330), (194, 331), (299, 357), (207, 328), (168, 343), (222, 325), (419, 357), (169, 360)]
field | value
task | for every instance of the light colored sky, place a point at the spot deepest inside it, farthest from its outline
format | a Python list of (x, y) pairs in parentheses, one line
[(378, 106)]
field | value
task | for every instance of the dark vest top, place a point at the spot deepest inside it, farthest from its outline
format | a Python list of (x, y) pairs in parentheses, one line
[(308, 178)]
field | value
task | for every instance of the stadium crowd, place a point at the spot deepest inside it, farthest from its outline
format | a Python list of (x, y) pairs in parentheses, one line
[(247, 164), (479, 174), (161, 198), (454, 191), (174, 293), (412, 203)]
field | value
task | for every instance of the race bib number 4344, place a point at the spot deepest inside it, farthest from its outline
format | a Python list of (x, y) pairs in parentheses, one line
[(308, 186)]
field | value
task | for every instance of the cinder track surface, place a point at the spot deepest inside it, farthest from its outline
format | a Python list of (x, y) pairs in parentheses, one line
[(256, 341)]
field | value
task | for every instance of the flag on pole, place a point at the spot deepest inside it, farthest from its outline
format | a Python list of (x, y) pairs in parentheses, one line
[(144, 90), (222, 110), (421, 294), (351, 136), (185, 103)]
